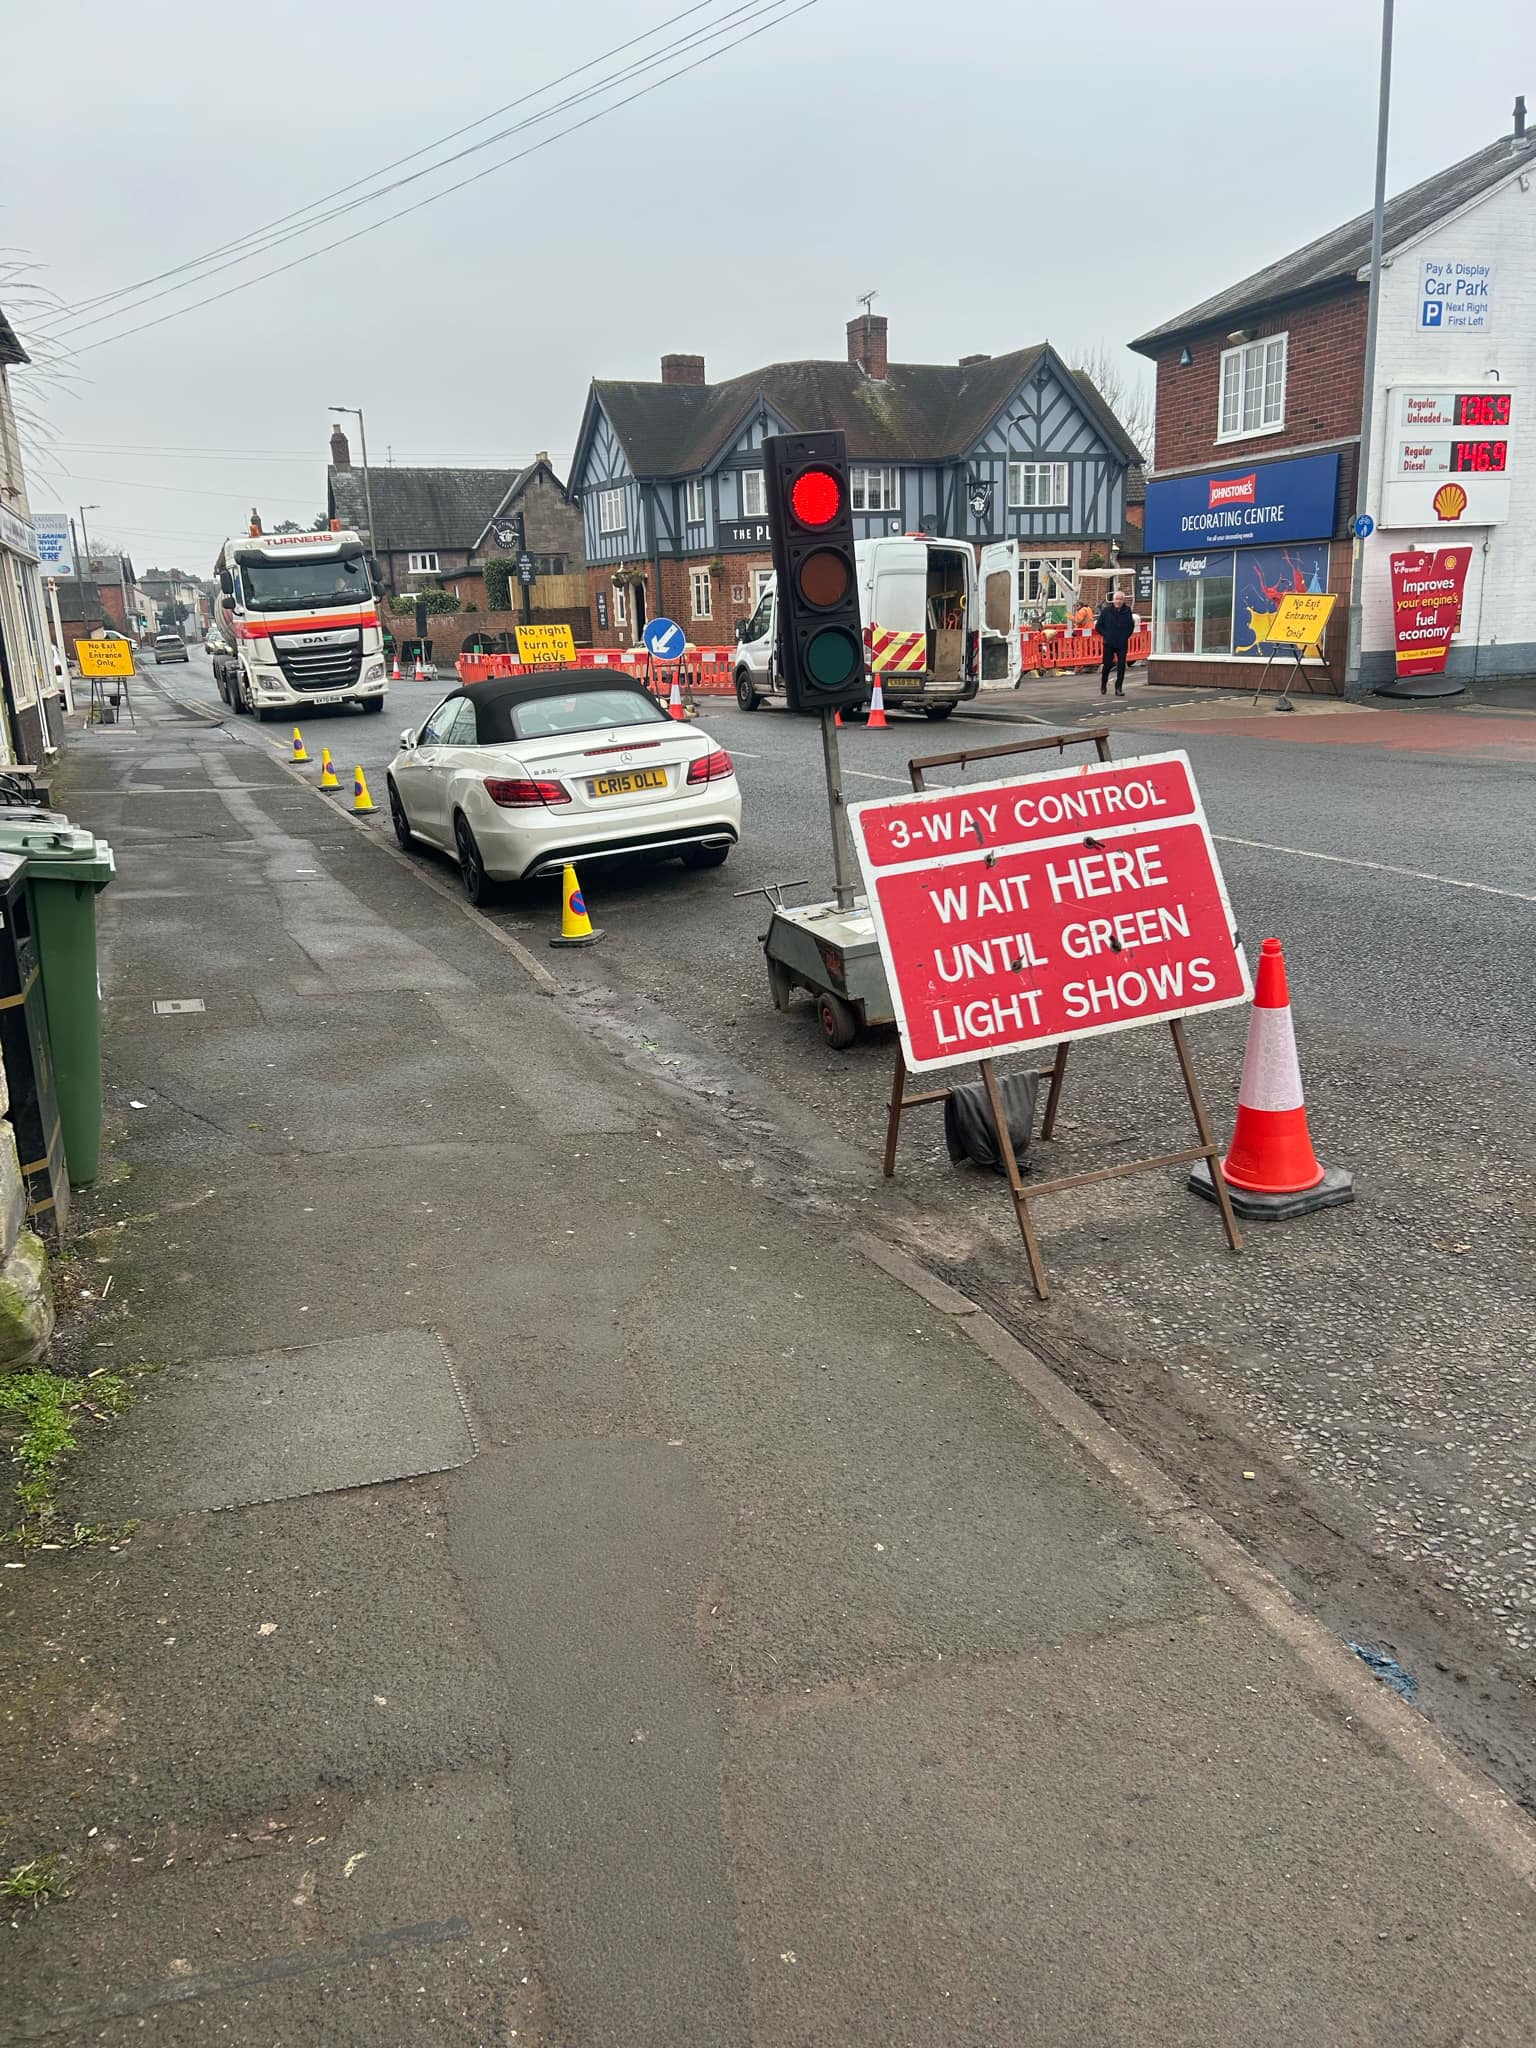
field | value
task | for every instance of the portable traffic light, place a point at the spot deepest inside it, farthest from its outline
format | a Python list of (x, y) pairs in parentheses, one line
[(810, 521)]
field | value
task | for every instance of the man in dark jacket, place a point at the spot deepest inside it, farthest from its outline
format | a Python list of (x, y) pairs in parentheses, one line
[(1114, 626)]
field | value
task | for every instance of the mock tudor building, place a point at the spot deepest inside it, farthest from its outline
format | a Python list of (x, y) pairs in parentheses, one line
[(1258, 432), (670, 475)]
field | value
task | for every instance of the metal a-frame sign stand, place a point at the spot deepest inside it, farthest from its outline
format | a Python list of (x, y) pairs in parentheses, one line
[(1290, 676), (901, 1100)]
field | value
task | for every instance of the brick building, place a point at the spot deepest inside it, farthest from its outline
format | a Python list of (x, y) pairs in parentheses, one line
[(670, 475), (1259, 393), (438, 529)]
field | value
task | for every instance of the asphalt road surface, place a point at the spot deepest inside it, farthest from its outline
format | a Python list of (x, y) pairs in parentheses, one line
[(1352, 1395)]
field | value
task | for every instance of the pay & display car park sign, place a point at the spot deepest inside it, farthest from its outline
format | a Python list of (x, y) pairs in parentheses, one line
[(1026, 913)]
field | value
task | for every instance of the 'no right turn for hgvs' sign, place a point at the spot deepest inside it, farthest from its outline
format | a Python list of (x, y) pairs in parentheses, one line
[(1047, 908)]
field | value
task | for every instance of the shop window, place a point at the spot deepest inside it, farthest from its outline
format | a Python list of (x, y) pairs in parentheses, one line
[(1264, 576), (1252, 388), (1192, 604)]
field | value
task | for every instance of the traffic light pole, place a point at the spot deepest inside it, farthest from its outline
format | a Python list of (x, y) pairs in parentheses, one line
[(842, 865)]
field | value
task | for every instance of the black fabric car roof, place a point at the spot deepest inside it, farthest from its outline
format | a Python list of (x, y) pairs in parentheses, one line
[(497, 699)]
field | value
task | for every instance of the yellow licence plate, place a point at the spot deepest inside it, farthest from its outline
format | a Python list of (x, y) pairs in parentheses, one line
[(628, 782)]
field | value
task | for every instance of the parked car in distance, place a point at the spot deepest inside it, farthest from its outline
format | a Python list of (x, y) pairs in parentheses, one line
[(170, 647), (518, 775)]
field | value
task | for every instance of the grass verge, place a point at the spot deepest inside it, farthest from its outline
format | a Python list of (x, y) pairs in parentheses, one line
[(39, 1415)]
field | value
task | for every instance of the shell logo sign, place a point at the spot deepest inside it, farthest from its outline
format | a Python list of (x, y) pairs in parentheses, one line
[(1450, 501)]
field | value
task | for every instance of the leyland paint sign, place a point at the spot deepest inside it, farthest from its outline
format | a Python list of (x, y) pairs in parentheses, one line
[(1019, 914)]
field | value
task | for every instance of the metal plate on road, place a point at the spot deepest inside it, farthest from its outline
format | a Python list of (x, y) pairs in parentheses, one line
[(1019, 914), (275, 1425)]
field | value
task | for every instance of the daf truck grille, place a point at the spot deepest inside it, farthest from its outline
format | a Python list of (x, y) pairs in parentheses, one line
[(320, 661)]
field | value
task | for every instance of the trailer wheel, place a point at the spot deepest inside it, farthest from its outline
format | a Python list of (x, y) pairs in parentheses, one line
[(839, 1024), (781, 984)]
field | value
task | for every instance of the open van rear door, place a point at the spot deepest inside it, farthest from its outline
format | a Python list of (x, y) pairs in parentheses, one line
[(1000, 612)]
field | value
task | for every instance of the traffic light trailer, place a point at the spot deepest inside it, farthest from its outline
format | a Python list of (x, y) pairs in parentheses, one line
[(827, 948)]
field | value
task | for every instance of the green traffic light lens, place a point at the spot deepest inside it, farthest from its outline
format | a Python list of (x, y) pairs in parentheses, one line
[(832, 657), (825, 578)]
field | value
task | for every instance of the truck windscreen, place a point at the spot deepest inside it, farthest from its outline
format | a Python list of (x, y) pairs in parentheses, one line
[(274, 585)]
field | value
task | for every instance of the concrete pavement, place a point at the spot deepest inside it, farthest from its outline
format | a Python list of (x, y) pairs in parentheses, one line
[(1369, 1366), (775, 1670)]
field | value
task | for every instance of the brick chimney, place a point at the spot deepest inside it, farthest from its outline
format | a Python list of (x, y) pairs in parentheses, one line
[(341, 454), (866, 344), (966, 361), (682, 369)]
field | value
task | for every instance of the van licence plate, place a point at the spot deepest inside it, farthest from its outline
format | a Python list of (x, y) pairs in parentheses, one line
[(627, 783)]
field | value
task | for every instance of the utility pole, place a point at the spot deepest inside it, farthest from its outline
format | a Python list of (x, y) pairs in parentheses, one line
[(1354, 689), (362, 436), (74, 541)]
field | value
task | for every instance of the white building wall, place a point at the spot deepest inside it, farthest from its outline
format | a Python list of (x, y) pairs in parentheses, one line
[(1499, 606)]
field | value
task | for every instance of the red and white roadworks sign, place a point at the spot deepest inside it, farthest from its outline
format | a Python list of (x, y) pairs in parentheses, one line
[(1017, 914)]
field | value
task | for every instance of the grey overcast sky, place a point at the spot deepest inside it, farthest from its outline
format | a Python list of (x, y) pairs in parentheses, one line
[(997, 170)]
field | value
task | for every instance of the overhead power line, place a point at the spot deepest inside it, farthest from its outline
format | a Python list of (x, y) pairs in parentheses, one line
[(64, 312), (737, 18)]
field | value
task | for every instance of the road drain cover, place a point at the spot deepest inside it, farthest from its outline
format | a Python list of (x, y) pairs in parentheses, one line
[(274, 1425)]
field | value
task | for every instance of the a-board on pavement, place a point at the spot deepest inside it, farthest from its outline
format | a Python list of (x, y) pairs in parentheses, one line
[(273, 1425)]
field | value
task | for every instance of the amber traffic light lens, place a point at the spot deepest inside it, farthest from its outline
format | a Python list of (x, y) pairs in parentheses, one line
[(825, 578), (816, 497)]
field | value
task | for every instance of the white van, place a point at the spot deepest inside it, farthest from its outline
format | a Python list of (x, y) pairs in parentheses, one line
[(934, 630)]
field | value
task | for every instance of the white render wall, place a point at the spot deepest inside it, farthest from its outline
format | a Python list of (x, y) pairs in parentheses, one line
[(1499, 608)]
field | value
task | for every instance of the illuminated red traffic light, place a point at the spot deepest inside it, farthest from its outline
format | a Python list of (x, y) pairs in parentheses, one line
[(816, 497)]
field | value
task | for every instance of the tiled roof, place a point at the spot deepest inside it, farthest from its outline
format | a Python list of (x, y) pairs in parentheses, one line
[(420, 508), (1341, 254), (918, 412)]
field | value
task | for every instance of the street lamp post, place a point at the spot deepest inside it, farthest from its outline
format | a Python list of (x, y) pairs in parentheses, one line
[(362, 435), (75, 539), (1354, 688)]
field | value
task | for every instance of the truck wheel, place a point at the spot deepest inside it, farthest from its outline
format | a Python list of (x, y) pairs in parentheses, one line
[(938, 711), (265, 713), (746, 696), (374, 704), (839, 1024)]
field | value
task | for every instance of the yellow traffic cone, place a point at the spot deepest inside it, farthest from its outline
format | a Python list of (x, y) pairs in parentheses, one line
[(361, 800), (575, 925), (329, 779), (299, 753)]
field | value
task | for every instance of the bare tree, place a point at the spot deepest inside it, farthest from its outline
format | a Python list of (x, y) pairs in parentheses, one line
[(1127, 392)]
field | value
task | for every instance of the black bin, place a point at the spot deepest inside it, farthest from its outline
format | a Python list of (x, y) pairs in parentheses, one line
[(34, 1110)]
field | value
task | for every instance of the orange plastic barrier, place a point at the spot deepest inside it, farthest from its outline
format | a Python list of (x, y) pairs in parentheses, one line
[(1046, 651)]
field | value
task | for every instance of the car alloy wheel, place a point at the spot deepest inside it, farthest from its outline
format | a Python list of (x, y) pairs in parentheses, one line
[(399, 820), (477, 884)]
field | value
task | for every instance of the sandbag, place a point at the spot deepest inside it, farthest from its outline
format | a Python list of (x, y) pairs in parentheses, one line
[(968, 1129)]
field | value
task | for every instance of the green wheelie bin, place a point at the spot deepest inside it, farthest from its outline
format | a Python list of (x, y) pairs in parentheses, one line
[(67, 869)]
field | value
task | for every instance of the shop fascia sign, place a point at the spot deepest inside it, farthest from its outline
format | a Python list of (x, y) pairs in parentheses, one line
[(1243, 506)]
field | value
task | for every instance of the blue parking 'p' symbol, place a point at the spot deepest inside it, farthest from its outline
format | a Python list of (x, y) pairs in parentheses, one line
[(1432, 311)]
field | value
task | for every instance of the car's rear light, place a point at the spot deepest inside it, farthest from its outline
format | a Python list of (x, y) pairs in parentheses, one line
[(713, 767), (518, 793)]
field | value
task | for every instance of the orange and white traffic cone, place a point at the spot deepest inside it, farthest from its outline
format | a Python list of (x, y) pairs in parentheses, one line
[(877, 717), (421, 674), (394, 674), (1271, 1170), (675, 701)]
